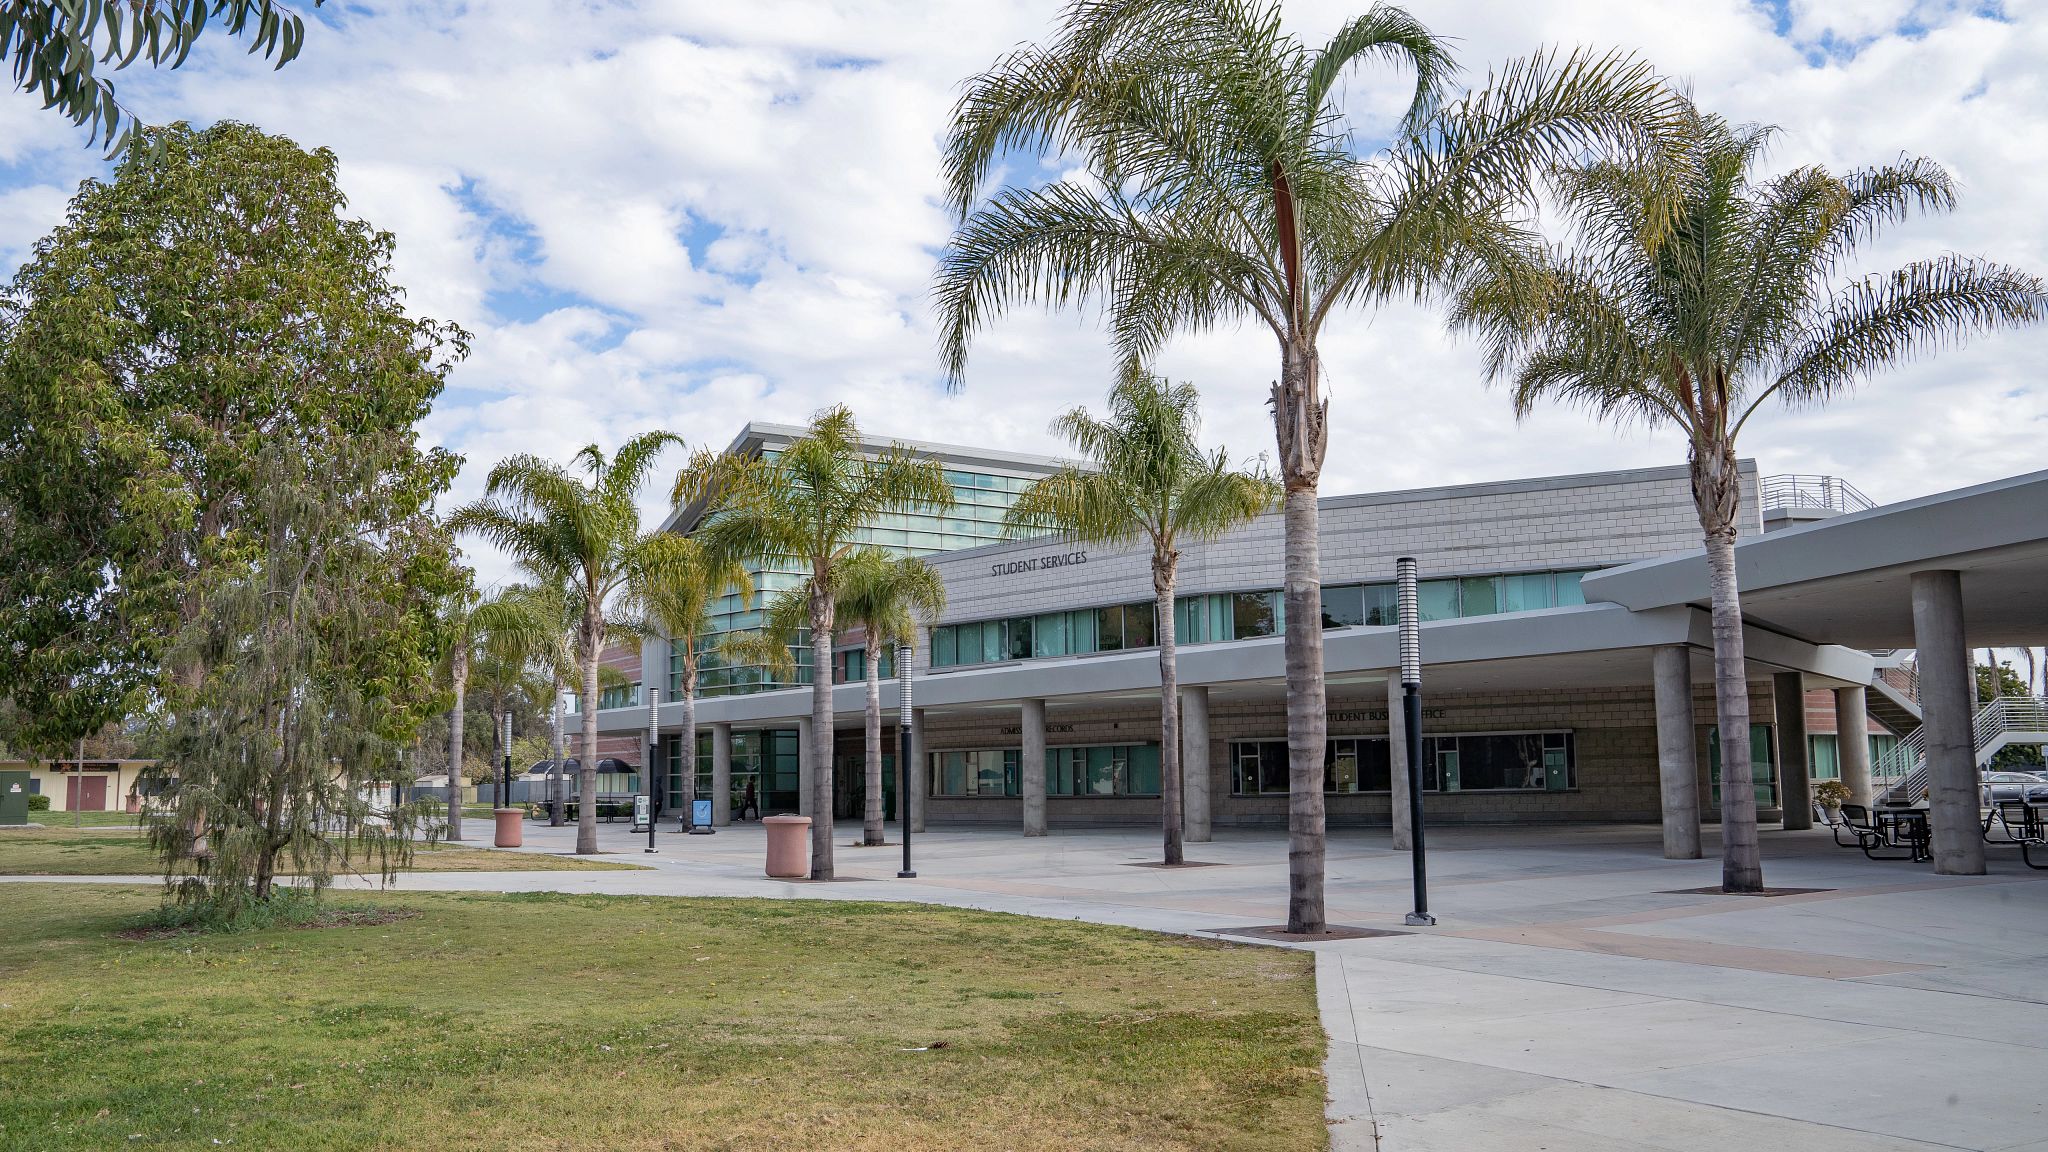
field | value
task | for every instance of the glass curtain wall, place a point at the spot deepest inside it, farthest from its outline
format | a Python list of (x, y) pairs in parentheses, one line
[(980, 500), (1219, 616)]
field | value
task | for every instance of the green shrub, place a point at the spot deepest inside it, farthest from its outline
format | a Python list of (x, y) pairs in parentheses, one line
[(39, 803), (1831, 793)]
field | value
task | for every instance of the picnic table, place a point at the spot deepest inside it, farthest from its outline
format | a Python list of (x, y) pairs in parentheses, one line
[(1887, 830), (2025, 823)]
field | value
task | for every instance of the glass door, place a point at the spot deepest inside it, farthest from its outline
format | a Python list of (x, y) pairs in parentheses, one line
[(1763, 770)]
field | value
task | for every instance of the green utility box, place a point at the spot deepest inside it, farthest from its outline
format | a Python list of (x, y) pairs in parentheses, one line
[(13, 797)]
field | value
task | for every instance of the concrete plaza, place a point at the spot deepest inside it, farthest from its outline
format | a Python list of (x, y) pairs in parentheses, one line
[(1574, 997)]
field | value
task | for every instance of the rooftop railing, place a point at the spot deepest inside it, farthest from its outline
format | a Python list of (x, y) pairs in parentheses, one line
[(1830, 493)]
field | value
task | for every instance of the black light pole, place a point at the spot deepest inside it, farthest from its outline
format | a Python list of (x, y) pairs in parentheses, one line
[(903, 721), (1410, 619), (653, 746)]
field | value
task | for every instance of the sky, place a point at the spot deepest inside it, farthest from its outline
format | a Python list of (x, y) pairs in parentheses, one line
[(687, 215)]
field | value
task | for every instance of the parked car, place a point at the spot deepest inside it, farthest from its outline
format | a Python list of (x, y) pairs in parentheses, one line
[(1998, 786)]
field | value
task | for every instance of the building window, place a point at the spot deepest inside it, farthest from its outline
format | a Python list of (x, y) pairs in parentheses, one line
[(1498, 762), (1351, 764), (977, 772), (852, 665), (1344, 606), (1824, 754), (1103, 770), (1254, 614)]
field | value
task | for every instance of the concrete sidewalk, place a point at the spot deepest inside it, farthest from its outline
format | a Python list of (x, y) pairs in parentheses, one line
[(1573, 997)]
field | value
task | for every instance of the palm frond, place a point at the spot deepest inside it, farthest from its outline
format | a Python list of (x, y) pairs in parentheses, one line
[(1919, 308), (1391, 33)]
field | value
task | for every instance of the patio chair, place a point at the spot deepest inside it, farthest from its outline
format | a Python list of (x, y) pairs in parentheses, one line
[(1856, 821)]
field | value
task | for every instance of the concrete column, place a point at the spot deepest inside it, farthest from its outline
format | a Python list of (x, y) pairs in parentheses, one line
[(721, 775), (920, 772), (1678, 772), (1194, 764), (1397, 764), (1945, 676), (1852, 742), (806, 768), (1795, 753), (1032, 765)]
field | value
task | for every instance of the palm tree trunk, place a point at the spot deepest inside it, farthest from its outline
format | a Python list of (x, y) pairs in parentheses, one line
[(1163, 565), (871, 822), (459, 674), (1298, 417), (821, 729), (1717, 496), (586, 774), (689, 734)]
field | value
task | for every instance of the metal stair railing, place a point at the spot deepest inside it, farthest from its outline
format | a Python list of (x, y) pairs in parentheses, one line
[(1808, 491), (1900, 775)]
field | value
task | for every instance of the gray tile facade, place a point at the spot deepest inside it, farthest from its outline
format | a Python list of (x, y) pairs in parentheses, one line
[(1589, 521)]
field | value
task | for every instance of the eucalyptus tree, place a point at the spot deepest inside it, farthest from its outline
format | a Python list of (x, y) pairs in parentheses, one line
[(1223, 183), (53, 47), (1695, 291), (1147, 479), (675, 598), (210, 300), (560, 527), (887, 598), (809, 505)]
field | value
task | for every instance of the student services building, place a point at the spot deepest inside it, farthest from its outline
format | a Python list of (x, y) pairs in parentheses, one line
[(1566, 645)]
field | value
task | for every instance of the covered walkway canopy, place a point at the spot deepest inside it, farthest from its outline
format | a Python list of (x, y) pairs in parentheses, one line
[(1941, 574)]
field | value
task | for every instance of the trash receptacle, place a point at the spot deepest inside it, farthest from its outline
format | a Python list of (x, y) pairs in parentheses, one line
[(510, 834), (789, 846)]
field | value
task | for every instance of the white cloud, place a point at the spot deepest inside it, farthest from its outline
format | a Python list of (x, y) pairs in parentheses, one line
[(689, 216)]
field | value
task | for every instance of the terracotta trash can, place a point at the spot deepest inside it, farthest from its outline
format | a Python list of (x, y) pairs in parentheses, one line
[(789, 846), (510, 832)]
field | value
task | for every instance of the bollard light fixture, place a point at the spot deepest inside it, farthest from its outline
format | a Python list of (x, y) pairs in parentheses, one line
[(1409, 618), (505, 776)]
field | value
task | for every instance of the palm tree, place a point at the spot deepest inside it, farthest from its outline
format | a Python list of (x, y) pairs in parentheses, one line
[(1148, 479), (1225, 185), (885, 597), (882, 595), (809, 505), (675, 597), (1690, 300), (473, 632), (560, 528)]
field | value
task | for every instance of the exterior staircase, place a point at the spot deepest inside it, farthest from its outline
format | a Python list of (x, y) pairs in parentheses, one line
[(1894, 696), (1900, 776)]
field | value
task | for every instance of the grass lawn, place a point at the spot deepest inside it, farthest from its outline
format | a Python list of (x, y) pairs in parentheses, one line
[(89, 851), (569, 1022), (85, 819)]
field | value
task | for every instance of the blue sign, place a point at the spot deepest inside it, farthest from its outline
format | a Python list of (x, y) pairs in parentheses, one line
[(700, 814)]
